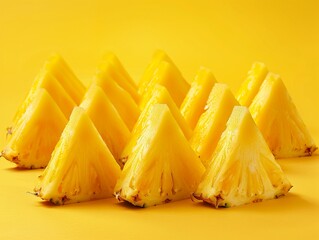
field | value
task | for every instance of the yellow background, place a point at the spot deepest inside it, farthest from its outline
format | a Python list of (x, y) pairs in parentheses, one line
[(226, 36)]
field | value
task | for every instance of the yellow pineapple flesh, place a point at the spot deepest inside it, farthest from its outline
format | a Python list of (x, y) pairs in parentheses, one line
[(279, 121), (194, 103), (168, 76), (212, 122), (162, 167), (252, 83), (81, 167), (112, 67), (160, 95), (106, 119), (157, 58), (243, 169), (57, 66), (39, 129), (121, 99)]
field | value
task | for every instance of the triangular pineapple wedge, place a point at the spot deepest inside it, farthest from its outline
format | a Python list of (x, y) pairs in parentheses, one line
[(160, 95), (111, 66), (167, 75), (33, 140), (47, 81), (213, 121), (279, 121), (252, 83), (157, 58), (162, 166), (194, 103), (106, 119), (243, 169), (121, 99), (81, 167), (63, 73)]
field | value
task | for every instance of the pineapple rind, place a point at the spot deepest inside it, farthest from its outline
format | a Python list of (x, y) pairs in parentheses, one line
[(159, 169), (77, 171), (243, 169), (194, 103), (279, 121)]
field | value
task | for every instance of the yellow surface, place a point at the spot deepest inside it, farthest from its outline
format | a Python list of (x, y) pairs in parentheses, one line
[(226, 36)]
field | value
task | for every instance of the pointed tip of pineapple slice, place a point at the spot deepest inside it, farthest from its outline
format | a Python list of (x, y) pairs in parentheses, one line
[(194, 103), (32, 141), (167, 75), (243, 169), (81, 167), (281, 124), (107, 120), (159, 169), (252, 83), (212, 122)]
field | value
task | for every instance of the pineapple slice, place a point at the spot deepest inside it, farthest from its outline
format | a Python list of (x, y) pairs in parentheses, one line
[(251, 85), (62, 72), (212, 122), (243, 169), (106, 119), (33, 140), (47, 81), (157, 58), (112, 67), (167, 75), (81, 167), (277, 118), (162, 167), (195, 100), (121, 99), (160, 95)]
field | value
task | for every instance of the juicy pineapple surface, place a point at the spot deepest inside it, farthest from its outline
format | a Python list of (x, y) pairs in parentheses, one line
[(161, 167), (279, 121), (212, 122), (252, 83), (243, 169), (106, 119), (157, 58), (121, 99), (160, 95), (33, 140), (168, 76), (194, 103), (81, 168), (112, 67)]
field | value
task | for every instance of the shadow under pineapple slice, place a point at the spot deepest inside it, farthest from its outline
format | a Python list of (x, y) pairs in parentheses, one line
[(107, 120), (167, 75), (252, 83), (112, 67), (81, 167), (194, 103), (279, 121), (162, 167), (33, 140), (212, 122), (243, 169), (157, 58), (160, 95), (121, 99)]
